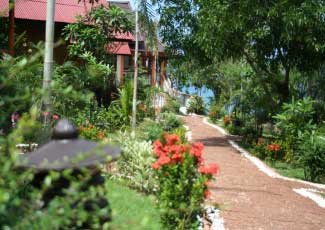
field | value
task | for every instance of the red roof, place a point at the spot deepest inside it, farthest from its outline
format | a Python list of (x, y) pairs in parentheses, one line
[(121, 48), (66, 10), (124, 36)]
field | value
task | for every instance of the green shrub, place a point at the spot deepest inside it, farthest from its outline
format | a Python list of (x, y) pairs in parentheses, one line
[(196, 105), (134, 166), (170, 121), (214, 113), (311, 156), (182, 182), (150, 130), (172, 105), (293, 122)]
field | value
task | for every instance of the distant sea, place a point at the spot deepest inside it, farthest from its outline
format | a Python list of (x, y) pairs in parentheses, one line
[(203, 92)]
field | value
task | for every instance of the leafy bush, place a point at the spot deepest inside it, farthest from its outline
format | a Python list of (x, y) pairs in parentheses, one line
[(134, 166), (182, 181), (91, 132), (150, 130), (214, 113), (196, 105), (170, 121), (311, 156), (172, 105), (294, 121)]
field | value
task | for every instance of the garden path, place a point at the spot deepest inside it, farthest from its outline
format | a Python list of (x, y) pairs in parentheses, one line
[(248, 198)]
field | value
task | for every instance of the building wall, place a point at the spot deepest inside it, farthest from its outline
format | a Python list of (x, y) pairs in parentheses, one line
[(35, 32)]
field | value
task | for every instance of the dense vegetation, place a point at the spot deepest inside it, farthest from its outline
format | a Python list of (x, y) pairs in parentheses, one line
[(264, 63)]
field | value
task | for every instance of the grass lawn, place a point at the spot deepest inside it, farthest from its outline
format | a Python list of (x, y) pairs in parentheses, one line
[(287, 170), (132, 210)]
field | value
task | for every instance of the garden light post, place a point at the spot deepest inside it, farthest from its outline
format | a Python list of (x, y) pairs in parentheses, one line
[(48, 60), (135, 80)]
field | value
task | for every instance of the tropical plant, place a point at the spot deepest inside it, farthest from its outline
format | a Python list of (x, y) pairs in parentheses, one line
[(169, 121), (311, 156), (196, 105), (295, 120), (182, 179), (150, 130), (95, 31), (134, 167)]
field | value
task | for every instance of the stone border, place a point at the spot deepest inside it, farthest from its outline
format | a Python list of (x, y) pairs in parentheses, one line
[(260, 164), (311, 194)]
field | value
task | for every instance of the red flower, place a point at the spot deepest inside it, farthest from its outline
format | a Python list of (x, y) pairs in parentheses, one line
[(270, 147), (155, 165), (177, 157), (171, 139), (55, 117), (163, 160), (175, 149), (276, 147), (196, 149), (207, 194), (208, 169), (158, 148)]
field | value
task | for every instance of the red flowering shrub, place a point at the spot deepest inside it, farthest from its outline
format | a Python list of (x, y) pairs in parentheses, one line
[(226, 120), (183, 181), (91, 132)]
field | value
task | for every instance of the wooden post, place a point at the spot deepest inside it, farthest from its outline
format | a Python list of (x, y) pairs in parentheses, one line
[(11, 28), (162, 72), (153, 71), (122, 69)]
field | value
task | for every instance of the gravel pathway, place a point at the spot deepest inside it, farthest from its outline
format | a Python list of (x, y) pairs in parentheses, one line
[(248, 198)]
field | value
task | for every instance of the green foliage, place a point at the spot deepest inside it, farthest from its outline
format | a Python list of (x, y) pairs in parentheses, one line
[(214, 113), (126, 94), (92, 32), (172, 105), (169, 121), (150, 130), (20, 81), (134, 166), (196, 105), (311, 156), (294, 121), (108, 119), (3, 32)]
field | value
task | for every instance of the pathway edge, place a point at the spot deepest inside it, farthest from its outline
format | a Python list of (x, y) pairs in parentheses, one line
[(258, 163)]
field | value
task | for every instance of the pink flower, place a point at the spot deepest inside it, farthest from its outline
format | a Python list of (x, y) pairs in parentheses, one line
[(55, 117)]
